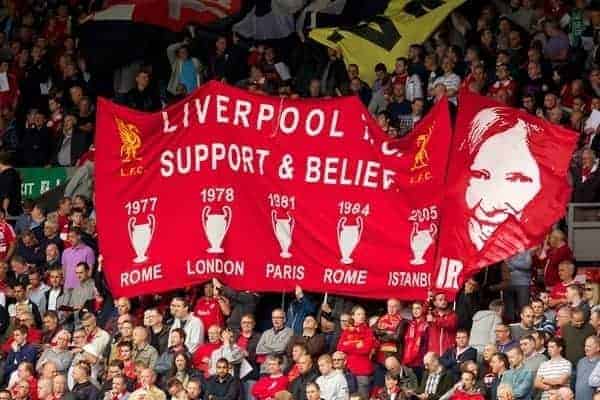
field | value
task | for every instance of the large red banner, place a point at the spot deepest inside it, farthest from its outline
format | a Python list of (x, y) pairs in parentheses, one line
[(506, 186), (267, 193)]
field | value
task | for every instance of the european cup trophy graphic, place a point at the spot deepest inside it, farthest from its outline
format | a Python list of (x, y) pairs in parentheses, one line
[(140, 236), (348, 238), (420, 240), (283, 229), (216, 227)]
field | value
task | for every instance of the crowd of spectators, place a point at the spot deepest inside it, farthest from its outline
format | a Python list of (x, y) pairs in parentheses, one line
[(527, 328)]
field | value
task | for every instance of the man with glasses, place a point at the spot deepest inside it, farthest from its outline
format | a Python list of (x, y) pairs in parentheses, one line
[(272, 382), (223, 385), (339, 364), (159, 332), (247, 340), (274, 341), (58, 354), (503, 340)]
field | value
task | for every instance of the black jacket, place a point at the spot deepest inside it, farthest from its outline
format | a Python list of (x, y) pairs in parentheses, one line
[(85, 391), (227, 388), (444, 384), (242, 303), (298, 386), (588, 191), (10, 188), (35, 147), (452, 363), (145, 100), (80, 143)]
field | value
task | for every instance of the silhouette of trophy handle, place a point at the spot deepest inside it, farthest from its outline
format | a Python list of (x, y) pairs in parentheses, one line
[(274, 220), (205, 212), (359, 222), (227, 214), (433, 230), (130, 226), (152, 221)]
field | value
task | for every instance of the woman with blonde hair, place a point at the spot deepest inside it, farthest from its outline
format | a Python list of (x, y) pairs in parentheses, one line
[(591, 293)]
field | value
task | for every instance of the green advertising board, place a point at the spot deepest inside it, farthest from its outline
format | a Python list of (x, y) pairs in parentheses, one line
[(37, 181)]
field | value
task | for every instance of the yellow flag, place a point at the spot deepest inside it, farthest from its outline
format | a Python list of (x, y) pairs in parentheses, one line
[(386, 37)]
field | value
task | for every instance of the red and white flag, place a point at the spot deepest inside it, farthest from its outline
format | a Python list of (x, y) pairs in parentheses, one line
[(171, 14), (506, 186)]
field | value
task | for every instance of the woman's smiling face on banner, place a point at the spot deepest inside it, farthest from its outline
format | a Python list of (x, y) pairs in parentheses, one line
[(505, 177)]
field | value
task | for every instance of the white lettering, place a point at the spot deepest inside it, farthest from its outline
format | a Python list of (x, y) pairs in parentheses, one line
[(215, 266), (287, 129), (266, 112), (334, 132), (345, 276), (450, 270), (167, 127), (222, 108), (313, 173), (201, 110), (285, 271), (186, 115), (151, 273), (320, 122), (242, 110), (166, 163)]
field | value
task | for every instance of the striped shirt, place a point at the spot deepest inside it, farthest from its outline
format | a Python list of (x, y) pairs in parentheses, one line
[(552, 369), (433, 380)]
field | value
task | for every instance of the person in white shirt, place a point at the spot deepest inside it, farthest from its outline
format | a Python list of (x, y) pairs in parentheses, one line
[(449, 79), (554, 373), (36, 288), (332, 382), (192, 325), (97, 338)]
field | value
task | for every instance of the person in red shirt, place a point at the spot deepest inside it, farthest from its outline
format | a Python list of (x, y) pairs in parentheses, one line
[(505, 82), (389, 332), (266, 387), (125, 354), (9, 95), (211, 308), (566, 273), (391, 390), (64, 210), (298, 350), (442, 325), (201, 357), (415, 337), (358, 342), (8, 238), (556, 251), (467, 391)]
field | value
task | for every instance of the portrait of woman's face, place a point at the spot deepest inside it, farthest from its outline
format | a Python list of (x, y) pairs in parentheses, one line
[(505, 177)]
